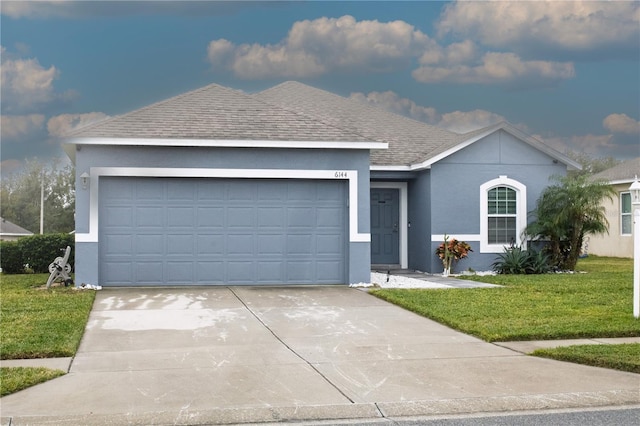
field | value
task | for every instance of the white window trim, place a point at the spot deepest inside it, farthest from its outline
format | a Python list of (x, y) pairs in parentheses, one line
[(630, 214), (404, 221), (96, 172), (521, 213)]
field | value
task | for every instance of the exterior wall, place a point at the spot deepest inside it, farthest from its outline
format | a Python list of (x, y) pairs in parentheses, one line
[(420, 208), (165, 159), (455, 190), (614, 243)]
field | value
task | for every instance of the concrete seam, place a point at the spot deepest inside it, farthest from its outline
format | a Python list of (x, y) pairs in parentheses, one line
[(291, 349)]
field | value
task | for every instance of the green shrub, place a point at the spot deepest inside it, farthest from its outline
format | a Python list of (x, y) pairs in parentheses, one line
[(515, 260), (11, 258), (37, 251)]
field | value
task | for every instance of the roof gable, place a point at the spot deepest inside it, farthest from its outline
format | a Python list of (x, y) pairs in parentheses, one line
[(10, 228)]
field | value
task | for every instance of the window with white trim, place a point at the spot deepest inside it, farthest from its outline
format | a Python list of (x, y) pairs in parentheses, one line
[(626, 221), (503, 214)]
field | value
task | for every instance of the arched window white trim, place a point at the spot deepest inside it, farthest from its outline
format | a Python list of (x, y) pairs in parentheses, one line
[(520, 213)]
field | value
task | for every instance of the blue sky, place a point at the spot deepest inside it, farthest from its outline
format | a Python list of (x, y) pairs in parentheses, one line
[(566, 72)]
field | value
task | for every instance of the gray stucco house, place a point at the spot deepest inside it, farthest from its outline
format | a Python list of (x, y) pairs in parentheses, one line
[(292, 185)]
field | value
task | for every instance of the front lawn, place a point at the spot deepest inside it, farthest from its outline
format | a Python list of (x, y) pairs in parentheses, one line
[(625, 357), (597, 303), (18, 378), (40, 323)]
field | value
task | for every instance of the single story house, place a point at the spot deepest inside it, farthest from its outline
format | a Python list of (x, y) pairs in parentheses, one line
[(11, 232), (292, 185), (619, 212)]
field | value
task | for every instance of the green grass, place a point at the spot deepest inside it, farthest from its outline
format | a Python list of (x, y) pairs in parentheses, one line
[(597, 303), (625, 357), (18, 378), (40, 323)]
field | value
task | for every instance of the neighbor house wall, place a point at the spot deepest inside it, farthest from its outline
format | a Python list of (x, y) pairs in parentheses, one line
[(614, 243), (455, 190), (92, 156)]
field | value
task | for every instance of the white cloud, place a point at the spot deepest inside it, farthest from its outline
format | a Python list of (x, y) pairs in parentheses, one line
[(621, 123), (593, 145), (390, 101), (579, 27), (60, 125), (315, 47), (496, 68), (456, 121), (26, 85), (16, 126)]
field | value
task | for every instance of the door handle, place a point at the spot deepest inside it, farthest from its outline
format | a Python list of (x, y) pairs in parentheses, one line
[(395, 227)]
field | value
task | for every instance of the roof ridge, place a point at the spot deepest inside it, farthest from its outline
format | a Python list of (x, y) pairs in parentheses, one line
[(300, 113)]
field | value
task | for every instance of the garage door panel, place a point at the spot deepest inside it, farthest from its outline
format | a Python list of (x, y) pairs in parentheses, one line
[(149, 216), (180, 245), (148, 271), (181, 216), (149, 244), (210, 217), (209, 244), (179, 272), (329, 217), (210, 272), (329, 244), (222, 231), (271, 245), (240, 217), (118, 216), (239, 272), (301, 217)]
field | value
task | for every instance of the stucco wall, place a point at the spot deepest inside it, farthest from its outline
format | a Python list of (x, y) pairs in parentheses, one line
[(455, 189), (219, 158), (614, 243), (420, 218)]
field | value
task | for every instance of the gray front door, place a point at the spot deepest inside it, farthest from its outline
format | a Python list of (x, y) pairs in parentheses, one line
[(184, 231), (385, 218)]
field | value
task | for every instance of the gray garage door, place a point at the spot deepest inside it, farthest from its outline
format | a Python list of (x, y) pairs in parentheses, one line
[(185, 231)]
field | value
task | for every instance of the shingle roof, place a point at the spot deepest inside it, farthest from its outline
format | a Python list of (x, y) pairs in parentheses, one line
[(623, 172), (217, 113), (9, 228), (410, 141)]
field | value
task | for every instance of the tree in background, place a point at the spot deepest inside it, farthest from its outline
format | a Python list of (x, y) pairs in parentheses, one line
[(566, 212), (20, 197), (590, 165)]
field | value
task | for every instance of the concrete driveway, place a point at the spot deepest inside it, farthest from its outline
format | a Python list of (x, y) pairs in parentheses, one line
[(249, 354)]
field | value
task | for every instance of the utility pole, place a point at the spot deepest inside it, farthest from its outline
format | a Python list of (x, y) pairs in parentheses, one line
[(42, 202)]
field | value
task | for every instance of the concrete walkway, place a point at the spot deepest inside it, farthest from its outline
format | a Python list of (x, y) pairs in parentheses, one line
[(248, 354)]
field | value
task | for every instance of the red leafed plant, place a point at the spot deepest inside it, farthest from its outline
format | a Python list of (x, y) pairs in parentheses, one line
[(451, 251)]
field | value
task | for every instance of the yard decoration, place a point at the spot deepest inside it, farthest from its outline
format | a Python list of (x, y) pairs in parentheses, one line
[(450, 252)]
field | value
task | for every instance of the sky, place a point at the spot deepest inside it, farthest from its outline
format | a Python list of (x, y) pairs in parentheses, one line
[(565, 72)]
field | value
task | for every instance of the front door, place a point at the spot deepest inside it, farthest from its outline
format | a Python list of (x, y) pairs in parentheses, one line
[(385, 218)]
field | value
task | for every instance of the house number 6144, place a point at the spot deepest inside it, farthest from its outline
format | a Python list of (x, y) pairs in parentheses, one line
[(340, 174)]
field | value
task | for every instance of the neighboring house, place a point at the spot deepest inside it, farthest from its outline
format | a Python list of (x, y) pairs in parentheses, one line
[(292, 185), (619, 241), (11, 232)]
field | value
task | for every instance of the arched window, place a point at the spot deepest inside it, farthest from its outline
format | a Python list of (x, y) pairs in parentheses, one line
[(503, 210)]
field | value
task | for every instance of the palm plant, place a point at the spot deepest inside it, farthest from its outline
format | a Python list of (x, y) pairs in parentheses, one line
[(568, 211)]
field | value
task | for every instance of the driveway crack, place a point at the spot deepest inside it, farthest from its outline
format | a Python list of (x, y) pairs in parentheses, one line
[(293, 351)]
